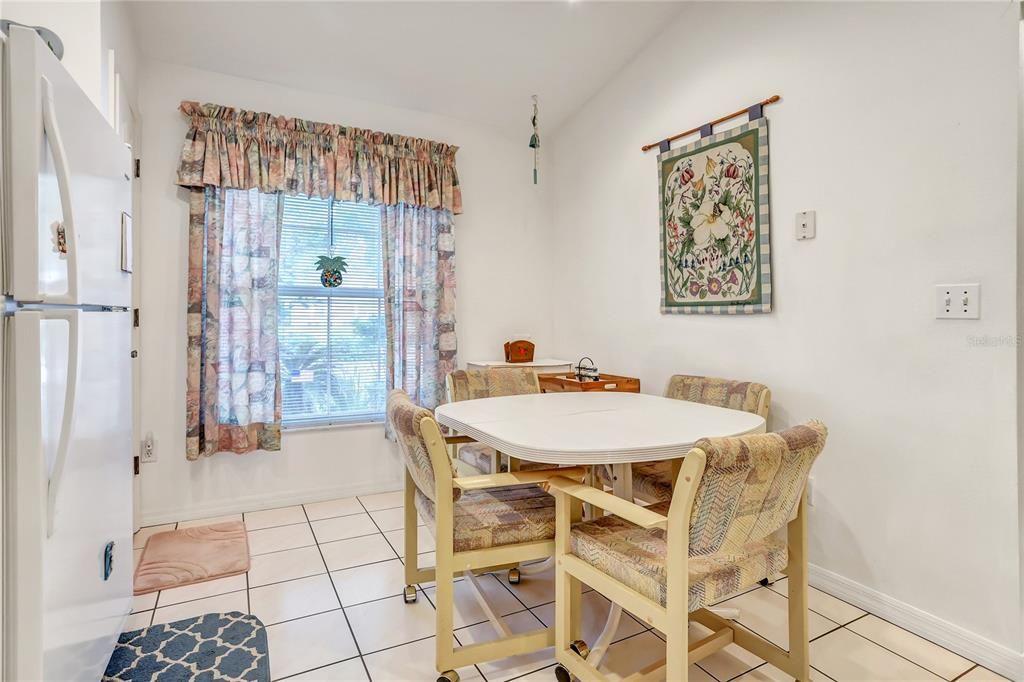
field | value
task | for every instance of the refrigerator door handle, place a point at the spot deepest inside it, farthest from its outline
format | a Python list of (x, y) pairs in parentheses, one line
[(60, 161), (67, 423)]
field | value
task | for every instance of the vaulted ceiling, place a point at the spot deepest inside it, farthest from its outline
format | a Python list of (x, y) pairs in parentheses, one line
[(478, 61)]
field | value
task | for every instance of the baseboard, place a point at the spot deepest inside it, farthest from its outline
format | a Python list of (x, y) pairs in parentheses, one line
[(237, 505), (992, 655)]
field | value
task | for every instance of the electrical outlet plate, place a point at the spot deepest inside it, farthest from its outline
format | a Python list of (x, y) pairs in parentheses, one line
[(958, 301), (805, 225), (148, 449)]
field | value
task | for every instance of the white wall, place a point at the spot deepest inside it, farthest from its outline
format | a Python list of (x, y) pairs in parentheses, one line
[(501, 291), (78, 25), (118, 34), (897, 125), (88, 29)]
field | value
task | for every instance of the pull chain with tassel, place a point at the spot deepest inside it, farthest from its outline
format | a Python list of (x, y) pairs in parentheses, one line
[(535, 140)]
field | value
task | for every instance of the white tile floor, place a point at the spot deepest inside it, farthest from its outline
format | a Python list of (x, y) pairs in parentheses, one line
[(326, 579)]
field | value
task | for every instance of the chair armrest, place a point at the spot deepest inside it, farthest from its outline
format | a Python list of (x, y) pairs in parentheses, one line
[(625, 509), (458, 440), (517, 478)]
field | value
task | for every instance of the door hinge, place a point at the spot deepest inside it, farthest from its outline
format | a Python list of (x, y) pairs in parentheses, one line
[(138, 168), (135, 465), (136, 317)]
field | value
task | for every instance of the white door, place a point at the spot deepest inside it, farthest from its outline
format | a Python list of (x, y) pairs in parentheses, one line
[(72, 541), (69, 175)]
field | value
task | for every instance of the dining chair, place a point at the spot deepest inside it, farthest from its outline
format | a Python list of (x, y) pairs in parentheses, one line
[(737, 515), (479, 523), (652, 481), (490, 382)]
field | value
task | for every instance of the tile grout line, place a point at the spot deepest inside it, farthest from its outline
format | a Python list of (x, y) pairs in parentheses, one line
[(896, 653), (961, 675), (308, 615), (831, 631), (248, 587), (809, 609), (419, 587), (543, 667), (760, 665), (209, 596), (337, 596), (396, 646), (704, 670), (311, 575), (286, 549), (466, 626), (865, 614), (812, 587), (911, 633), (550, 665), (476, 666), (384, 533), (319, 667), (516, 596)]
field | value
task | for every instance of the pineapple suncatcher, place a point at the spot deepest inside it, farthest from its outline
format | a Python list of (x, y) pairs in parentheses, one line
[(331, 269)]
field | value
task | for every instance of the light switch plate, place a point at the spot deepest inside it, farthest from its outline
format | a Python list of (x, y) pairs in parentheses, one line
[(805, 225), (958, 301)]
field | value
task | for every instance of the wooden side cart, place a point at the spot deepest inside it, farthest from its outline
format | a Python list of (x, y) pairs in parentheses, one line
[(561, 382)]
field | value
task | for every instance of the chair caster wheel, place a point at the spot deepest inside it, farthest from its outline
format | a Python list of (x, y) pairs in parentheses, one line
[(580, 648), (409, 594), (448, 676), (513, 576), (562, 674)]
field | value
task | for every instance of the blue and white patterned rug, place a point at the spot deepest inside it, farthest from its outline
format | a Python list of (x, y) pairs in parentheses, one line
[(211, 648)]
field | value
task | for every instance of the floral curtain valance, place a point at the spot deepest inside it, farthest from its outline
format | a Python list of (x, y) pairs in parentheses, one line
[(237, 149)]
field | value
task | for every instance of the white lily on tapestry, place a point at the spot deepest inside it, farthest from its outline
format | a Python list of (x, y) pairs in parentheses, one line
[(712, 219)]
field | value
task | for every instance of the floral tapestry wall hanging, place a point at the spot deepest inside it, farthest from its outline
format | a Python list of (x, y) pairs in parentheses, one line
[(715, 248)]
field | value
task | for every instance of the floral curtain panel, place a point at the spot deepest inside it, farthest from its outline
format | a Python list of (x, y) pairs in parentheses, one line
[(237, 164), (234, 148), (233, 403), (419, 281)]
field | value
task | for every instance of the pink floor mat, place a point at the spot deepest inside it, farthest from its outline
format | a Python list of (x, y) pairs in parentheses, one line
[(192, 555)]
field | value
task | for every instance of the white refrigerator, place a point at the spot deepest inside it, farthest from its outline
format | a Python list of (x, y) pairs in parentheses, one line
[(67, 421)]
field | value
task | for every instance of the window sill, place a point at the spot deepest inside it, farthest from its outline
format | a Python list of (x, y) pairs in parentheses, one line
[(333, 424)]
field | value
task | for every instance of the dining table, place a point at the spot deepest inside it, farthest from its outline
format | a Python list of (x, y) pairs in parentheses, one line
[(615, 430)]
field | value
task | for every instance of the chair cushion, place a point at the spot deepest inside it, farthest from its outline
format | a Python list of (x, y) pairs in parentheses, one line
[(636, 557), (652, 481), (735, 395), (495, 517), (479, 456)]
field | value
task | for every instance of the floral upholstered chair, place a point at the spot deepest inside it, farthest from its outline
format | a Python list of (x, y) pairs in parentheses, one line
[(652, 481), (492, 382), (478, 522), (737, 516)]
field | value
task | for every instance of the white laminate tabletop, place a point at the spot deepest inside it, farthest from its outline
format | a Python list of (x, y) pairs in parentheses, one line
[(593, 427)]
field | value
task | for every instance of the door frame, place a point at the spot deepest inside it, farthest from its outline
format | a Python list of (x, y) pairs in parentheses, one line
[(130, 128)]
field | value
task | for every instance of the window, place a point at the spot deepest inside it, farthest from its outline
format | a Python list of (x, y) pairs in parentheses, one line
[(332, 341)]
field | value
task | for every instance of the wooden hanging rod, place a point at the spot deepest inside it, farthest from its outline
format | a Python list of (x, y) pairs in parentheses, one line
[(771, 100)]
